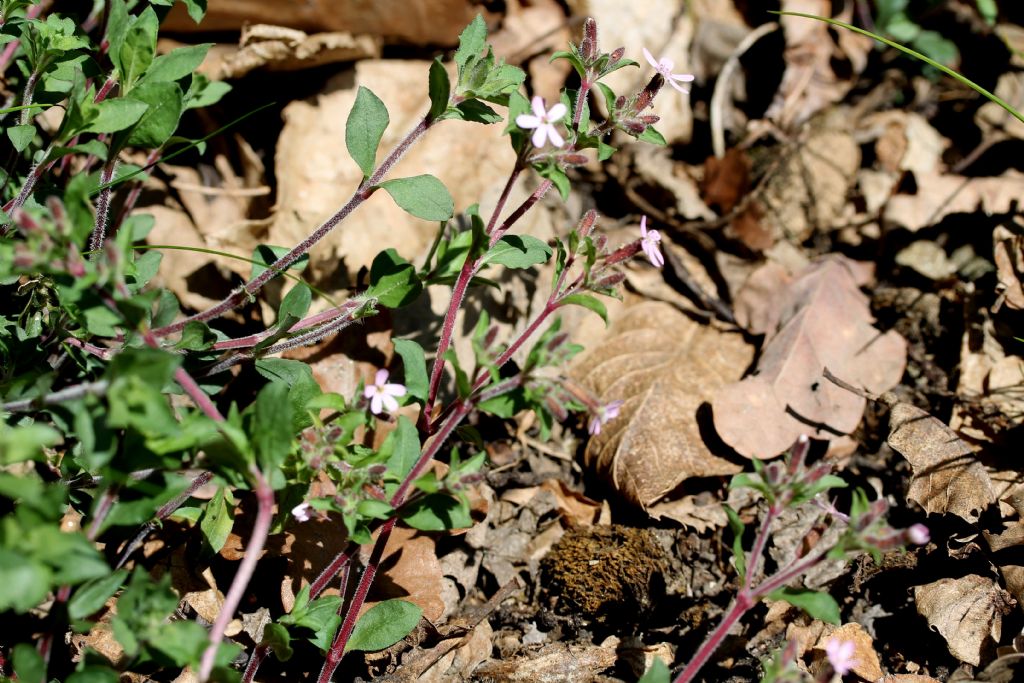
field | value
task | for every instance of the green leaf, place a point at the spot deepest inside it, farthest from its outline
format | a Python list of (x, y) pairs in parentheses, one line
[(424, 196), (217, 521), (403, 444), (652, 136), (166, 103), (739, 557), (265, 255), (115, 115), (138, 49), (558, 177), (658, 673), (21, 136), (285, 370), (272, 426), (28, 664), (518, 251), (279, 640), (415, 367), (91, 596), (26, 442), (94, 674), (471, 42), (196, 9), (437, 512), (196, 336), (819, 605), (23, 582), (587, 301), (177, 63), (383, 625), (439, 88), (393, 280), (366, 125), (474, 111)]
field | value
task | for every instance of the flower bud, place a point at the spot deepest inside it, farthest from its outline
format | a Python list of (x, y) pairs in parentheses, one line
[(556, 408), (610, 280), (620, 103), (773, 474), (60, 215), (557, 341), (634, 127), (573, 159), (586, 225), (650, 119), (623, 253), (25, 221), (588, 46), (798, 454), (646, 96), (491, 335), (616, 55)]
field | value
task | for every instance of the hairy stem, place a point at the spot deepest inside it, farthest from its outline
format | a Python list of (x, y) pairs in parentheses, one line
[(246, 568), (99, 232)]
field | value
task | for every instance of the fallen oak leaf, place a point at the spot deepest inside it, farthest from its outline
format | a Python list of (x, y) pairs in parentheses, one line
[(823, 321), (968, 612), (947, 476), (664, 367)]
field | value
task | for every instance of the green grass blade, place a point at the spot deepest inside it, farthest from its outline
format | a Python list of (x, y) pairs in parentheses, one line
[(128, 176), (917, 55)]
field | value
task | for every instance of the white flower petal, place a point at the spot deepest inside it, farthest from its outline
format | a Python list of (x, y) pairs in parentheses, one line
[(643, 226), (677, 86), (537, 104), (377, 403), (394, 390), (370, 391), (389, 402), (381, 378), (650, 58), (527, 121), (685, 78), (540, 135), (556, 139), (556, 112)]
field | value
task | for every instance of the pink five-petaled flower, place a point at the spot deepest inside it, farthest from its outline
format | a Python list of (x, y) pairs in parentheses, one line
[(382, 395), (603, 415), (664, 67), (840, 655), (649, 241), (543, 122)]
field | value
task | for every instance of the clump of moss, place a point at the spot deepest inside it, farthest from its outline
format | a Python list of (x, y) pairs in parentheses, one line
[(603, 571)]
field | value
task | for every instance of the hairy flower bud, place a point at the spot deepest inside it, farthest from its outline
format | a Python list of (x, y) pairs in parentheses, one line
[(634, 127), (25, 221), (586, 225), (491, 335), (573, 159), (610, 280), (623, 253), (556, 408), (646, 96), (557, 341), (650, 119), (616, 55), (588, 46)]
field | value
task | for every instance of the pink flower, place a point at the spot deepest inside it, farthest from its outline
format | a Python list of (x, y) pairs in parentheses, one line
[(649, 241), (664, 67), (840, 655), (918, 534), (302, 512), (604, 414), (543, 122), (382, 395)]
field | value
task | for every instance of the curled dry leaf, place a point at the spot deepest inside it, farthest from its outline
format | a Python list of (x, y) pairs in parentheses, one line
[(411, 572), (968, 612), (664, 366), (939, 195), (277, 48), (1006, 556), (823, 322), (947, 475)]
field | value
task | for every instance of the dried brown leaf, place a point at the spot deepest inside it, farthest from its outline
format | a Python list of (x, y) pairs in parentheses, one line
[(824, 322), (968, 612), (939, 195), (947, 475), (1008, 254), (553, 663), (410, 571), (285, 49), (664, 366)]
